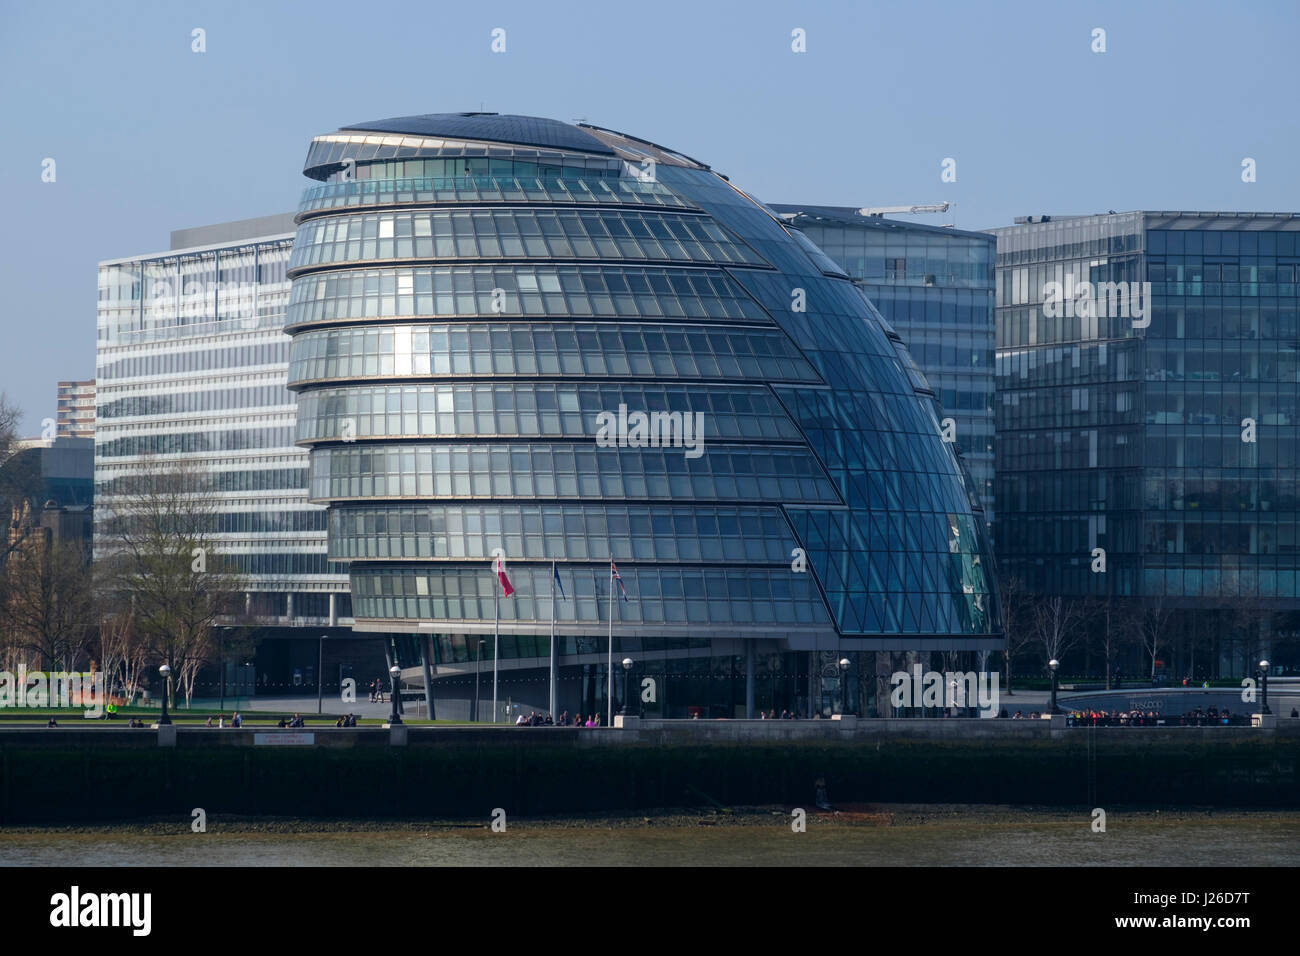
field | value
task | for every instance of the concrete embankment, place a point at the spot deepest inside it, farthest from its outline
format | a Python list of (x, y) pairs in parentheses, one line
[(68, 775)]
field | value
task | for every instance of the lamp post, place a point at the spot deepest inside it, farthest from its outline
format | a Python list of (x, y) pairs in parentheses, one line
[(1053, 664), (478, 658), (1263, 677), (844, 685), (627, 669), (166, 673), (395, 673)]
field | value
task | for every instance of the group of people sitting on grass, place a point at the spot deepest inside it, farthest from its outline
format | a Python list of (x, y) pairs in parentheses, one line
[(349, 721)]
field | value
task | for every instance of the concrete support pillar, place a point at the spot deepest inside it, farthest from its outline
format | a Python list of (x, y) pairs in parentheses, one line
[(749, 680), (426, 652), (288, 605), (334, 617)]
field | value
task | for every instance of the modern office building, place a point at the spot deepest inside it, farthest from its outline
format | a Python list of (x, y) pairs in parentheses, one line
[(934, 285), (76, 410), (51, 483), (192, 359), (1147, 436), (573, 345)]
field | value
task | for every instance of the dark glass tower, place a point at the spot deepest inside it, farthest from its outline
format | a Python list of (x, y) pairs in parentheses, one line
[(1160, 430), (474, 294)]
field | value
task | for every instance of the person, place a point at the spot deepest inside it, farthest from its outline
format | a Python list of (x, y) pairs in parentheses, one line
[(51, 723), (237, 721), (597, 718), (209, 723), (352, 720), (589, 723), (520, 720), (221, 720), (339, 722), (1294, 712), (282, 724)]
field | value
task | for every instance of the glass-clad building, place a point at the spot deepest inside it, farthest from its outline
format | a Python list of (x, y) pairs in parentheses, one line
[(191, 366), (934, 285), (576, 346), (1148, 381)]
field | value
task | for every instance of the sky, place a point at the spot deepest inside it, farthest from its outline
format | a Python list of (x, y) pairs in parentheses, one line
[(148, 136)]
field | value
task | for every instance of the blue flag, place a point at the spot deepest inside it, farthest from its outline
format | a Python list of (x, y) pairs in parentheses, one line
[(558, 586)]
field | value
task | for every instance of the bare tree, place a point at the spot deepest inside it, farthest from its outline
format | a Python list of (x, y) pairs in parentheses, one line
[(49, 600), (1017, 618), (1150, 626), (20, 482), (159, 543), (1112, 635), (1057, 621), (123, 654)]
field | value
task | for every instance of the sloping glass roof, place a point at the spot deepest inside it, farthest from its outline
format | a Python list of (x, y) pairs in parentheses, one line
[(492, 127)]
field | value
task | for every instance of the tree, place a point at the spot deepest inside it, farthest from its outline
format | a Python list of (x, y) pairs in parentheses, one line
[(1112, 635), (1017, 618), (1150, 625), (123, 655), (160, 547), (1056, 625), (20, 482), (49, 600)]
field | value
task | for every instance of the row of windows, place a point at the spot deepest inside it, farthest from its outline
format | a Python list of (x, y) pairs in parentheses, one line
[(655, 596), (1215, 490), (251, 479), (1244, 272), (1167, 405), (520, 290), (525, 187), (244, 396), (531, 410), (1221, 242), (231, 439), (570, 533), (517, 234), (293, 564), (174, 361), (567, 471), (1221, 363), (503, 166), (1213, 537), (547, 349)]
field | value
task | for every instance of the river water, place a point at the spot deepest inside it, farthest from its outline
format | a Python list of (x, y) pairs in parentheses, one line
[(1146, 839)]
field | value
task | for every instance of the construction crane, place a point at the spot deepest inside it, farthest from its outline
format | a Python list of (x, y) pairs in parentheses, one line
[(906, 210)]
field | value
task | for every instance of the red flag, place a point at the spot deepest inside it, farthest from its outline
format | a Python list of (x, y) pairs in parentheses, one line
[(501, 576)]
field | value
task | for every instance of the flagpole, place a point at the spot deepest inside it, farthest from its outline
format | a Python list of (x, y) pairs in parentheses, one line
[(609, 678), (554, 575), (496, 637)]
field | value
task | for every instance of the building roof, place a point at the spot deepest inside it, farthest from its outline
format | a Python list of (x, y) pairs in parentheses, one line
[(490, 127), (848, 216)]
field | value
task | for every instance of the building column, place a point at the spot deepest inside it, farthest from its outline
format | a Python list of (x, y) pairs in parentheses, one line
[(749, 680), (334, 618), (426, 652), (288, 605)]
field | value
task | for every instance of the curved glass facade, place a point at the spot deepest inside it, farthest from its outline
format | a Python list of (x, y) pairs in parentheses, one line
[(792, 489)]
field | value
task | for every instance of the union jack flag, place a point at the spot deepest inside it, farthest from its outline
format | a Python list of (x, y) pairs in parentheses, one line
[(613, 573)]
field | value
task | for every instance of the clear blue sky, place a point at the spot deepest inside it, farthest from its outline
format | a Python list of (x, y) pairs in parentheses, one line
[(149, 137)]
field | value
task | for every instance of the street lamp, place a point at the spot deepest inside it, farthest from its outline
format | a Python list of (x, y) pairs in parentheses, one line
[(320, 672), (478, 658), (1263, 675), (166, 676), (844, 685), (627, 669), (395, 673), (1053, 664)]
